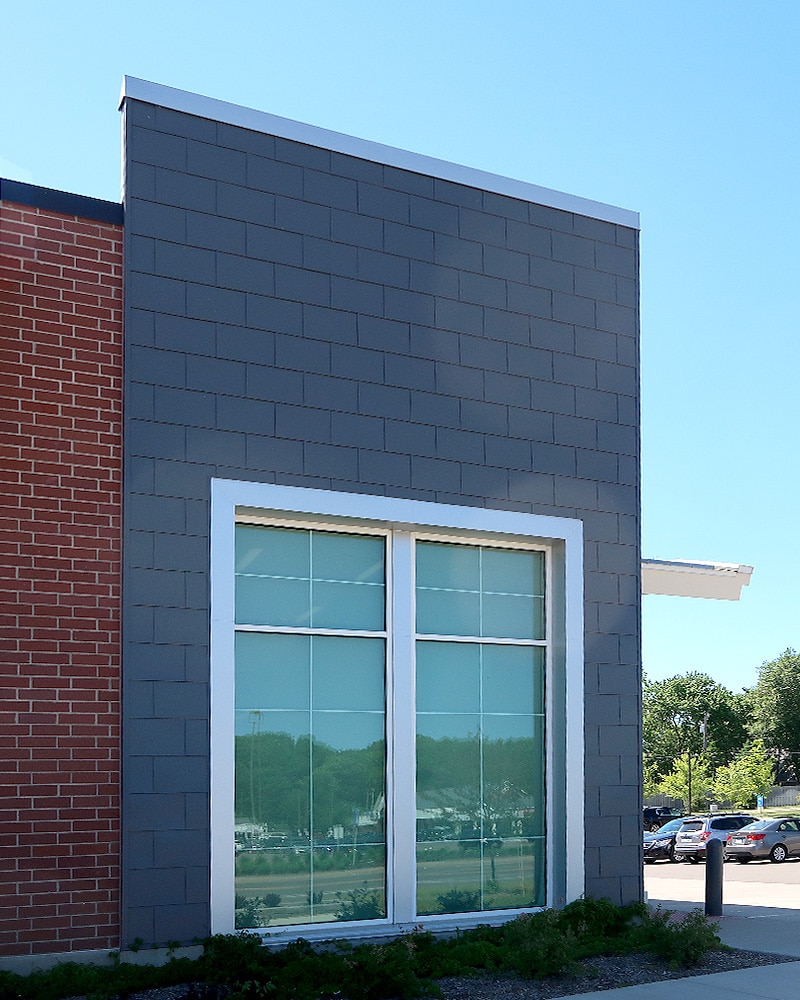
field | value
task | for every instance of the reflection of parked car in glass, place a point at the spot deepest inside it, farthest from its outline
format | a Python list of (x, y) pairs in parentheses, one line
[(696, 831), (654, 817), (660, 846), (775, 839)]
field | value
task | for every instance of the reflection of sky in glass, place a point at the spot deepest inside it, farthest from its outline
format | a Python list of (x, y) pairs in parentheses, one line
[(448, 677), (298, 671), (452, 727), (340, 730), (298, 578), (470, 590)]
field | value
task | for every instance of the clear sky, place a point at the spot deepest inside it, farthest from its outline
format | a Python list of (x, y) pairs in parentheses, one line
[(686, 112)]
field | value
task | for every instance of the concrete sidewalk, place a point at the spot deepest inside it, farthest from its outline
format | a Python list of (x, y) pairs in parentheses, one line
[(771, 930)]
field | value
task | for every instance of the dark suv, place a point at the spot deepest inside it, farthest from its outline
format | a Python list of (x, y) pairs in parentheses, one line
[(696, 831), (656, 816)]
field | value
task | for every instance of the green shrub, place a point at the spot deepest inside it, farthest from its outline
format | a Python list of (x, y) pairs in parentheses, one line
[(534, 945), (680, 942), (539, 944)]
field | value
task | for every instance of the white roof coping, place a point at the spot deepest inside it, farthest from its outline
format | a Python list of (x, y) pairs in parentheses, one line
[(691, 578), (312, 135)]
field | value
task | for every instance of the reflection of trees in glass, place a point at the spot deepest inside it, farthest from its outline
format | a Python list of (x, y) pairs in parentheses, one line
[(274, 776), (489, 788)]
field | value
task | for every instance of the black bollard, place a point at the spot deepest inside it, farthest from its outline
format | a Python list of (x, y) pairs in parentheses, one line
[(714, 854)]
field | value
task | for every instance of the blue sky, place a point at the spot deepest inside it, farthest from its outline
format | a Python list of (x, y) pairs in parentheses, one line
[(686, 112)]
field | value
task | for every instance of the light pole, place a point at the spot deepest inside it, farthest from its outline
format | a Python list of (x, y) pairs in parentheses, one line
[(689, 756)]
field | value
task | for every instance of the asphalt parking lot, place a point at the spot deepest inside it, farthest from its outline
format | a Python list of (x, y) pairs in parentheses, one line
[(759, 883)]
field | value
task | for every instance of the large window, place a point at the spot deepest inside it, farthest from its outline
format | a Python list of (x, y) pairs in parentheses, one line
[(389, 741), (310, 665), (480, 682)]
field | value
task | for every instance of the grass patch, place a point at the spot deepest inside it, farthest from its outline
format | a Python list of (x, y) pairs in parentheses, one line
[(533, 946)]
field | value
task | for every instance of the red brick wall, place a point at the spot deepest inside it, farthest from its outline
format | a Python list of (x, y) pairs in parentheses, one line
[(60, 567)]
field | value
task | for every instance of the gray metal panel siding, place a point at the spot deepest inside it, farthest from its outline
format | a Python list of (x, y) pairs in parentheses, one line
[(302, 317)]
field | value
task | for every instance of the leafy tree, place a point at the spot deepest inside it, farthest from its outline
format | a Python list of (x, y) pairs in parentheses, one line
[(775, 702), (689, 769), (673, 712), (748, 775)]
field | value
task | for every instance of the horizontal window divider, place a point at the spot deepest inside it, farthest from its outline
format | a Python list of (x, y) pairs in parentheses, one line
[(309, 630), (484, 640), (468, 590), (320, 579)]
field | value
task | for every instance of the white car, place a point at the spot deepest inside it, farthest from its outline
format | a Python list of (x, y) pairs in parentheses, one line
[(696, 831)]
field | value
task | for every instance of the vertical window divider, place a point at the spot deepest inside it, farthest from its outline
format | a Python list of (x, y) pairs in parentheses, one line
[(402, 777)]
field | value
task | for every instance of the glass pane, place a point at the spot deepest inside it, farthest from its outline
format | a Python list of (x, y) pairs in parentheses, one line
[(448, 567), (448, 877), (348, 673), (272, 771), (265, 551), (481, 591), (273, 881), (448, 612), (356, 606), (513, 774), (448, 677), (262, 600), (513, 679), (272, 671), (352, 731), (480, 776), (350, 558), (349, 881), (507, 616), (275, 568), (507, 572), (510, 875), (310, 779)]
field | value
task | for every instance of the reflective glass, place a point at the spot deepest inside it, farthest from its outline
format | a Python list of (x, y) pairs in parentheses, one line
[(298, 578), (448, 612), (508, 616), (262, 600), (266, 551), (481, 591), (448, 677), (309, 730), (348, 673), (272, 671), (448, 567), (507, 572), (513, 678), (356, 606), (352, 558)]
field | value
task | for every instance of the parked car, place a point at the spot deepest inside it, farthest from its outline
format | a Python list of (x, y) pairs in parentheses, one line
[(660, 846), (775, 839), (696, 831), (654, 817)]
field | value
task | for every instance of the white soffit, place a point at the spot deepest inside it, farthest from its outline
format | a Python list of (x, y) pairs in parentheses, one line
[(261, 121), (680, 578)]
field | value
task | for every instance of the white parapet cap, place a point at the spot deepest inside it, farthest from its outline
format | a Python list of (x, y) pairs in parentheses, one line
[(684, 578), (261, 121)]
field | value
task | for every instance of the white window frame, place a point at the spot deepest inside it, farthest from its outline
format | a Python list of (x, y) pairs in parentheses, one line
[(405, 521)]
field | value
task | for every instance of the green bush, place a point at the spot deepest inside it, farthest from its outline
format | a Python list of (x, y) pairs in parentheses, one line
[(681, 942), (533, 945)]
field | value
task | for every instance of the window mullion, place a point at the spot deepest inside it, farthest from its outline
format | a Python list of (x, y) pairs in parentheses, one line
[(403, 728)]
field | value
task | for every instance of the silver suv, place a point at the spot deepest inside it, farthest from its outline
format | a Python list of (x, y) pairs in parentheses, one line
[(696, 831)]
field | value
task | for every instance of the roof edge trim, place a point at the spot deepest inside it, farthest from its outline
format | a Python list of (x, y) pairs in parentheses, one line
[(312, 135), (63, 202)]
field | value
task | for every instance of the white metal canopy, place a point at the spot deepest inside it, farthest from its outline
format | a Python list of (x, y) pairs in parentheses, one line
[(684, 578)]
